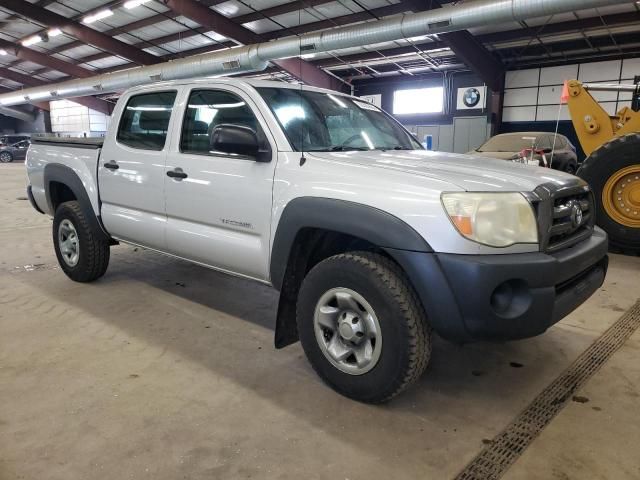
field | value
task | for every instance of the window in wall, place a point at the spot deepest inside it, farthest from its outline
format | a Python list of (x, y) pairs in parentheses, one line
[(206, 110), (418, 100), (145, 120)]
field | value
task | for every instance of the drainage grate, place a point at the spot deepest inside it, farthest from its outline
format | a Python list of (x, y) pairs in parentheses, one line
[(496, 458)]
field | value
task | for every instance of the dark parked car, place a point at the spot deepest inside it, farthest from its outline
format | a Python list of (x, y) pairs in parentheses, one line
[(512, 146), (14, 151), (11, 139)]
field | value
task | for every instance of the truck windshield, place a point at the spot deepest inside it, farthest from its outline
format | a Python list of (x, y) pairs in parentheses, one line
[(322, 122)]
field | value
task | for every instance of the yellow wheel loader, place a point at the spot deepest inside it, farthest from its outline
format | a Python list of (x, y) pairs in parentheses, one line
[(612, 166)]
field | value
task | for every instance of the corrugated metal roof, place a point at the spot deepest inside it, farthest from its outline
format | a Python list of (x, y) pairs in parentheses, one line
[(147, 36)]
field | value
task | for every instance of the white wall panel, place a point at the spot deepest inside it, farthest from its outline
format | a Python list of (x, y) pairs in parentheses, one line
[(550, 113), (558, 75), (519, 106), (550, 95), (519, 114), (630, 68), (70, 117), (520, 96), (522, 78), (600, 71), (610, 107)]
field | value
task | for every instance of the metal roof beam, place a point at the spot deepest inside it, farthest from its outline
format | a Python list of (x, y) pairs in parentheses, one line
[(30, 55)]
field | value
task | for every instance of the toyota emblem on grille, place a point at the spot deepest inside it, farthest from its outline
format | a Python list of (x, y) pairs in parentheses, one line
[(576, 215)]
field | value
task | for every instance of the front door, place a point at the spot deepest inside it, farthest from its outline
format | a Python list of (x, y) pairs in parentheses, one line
[(131, 170), (219, 205)]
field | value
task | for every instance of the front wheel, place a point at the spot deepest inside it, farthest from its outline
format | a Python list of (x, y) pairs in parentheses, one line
[(613, 171), (6, 157), (82, 255), (362, 326)]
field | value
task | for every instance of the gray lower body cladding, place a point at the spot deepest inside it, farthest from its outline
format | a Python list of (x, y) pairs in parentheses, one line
[(504, 297)]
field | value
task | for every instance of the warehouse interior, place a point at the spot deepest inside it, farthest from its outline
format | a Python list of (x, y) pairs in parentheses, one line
[(167, 369)]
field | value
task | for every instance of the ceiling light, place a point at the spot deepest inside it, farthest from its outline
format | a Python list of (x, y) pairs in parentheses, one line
[(134, 3), (3, 51), (54, 32), (97, 16), (31, 40)]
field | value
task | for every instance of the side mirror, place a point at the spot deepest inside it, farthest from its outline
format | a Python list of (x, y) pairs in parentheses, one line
[(235, 139)]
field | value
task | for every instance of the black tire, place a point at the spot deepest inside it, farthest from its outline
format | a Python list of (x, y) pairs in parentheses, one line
[(93, 256), (611, 157), (406, 335), (6, 157)]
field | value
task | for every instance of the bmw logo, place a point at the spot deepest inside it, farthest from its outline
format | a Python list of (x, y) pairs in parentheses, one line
[(471, 97)]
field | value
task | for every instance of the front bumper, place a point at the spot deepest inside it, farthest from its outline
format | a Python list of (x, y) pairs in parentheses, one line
[(505, 297)]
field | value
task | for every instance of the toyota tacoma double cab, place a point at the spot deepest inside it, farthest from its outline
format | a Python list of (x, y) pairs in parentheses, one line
[(372, 242)]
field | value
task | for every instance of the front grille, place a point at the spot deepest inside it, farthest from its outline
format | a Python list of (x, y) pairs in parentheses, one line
[(565, 214)]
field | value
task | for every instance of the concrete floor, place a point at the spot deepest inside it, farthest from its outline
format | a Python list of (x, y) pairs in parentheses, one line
[(166, 370)]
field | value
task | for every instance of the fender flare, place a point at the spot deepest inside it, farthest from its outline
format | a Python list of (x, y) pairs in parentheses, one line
[(66, 176), (363, 221)]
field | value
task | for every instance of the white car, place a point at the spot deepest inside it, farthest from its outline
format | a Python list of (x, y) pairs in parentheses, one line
[(372, 241)]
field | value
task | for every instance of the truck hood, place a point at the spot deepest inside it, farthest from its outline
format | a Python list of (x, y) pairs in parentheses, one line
[(467, 172), (498, 155)]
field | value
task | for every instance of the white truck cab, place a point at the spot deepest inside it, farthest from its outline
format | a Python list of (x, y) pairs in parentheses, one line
[(372, 241)]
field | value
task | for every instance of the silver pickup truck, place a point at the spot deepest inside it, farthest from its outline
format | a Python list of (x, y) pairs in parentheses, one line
[(372, 242)]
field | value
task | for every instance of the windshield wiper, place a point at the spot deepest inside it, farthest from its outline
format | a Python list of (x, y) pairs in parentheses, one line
[(397, 147), (342, 148)]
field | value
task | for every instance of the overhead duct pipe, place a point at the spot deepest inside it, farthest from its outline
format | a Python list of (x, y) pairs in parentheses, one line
[(255, 57)]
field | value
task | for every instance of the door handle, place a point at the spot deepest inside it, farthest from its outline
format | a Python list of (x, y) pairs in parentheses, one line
[(178, 174), (112, 165)]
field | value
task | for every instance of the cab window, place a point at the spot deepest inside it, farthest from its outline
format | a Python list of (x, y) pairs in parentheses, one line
[(145, 120), (206, 109)]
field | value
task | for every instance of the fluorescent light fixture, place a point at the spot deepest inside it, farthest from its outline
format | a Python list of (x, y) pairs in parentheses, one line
[(54, 32), (27, 42), (134, 3), (97, 16), (3, 51)]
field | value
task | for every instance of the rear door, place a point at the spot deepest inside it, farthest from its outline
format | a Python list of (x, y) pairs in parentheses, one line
[(219, 214), (131, 170)]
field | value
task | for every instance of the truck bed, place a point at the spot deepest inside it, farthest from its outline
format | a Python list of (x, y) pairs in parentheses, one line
[(93, 142)]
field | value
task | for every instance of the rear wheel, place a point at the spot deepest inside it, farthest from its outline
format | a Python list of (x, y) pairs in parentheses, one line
[(82, 255), (362, 326), (6, 157), (613, 171)]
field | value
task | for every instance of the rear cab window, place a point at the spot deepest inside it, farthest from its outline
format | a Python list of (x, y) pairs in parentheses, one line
[(145, 120)]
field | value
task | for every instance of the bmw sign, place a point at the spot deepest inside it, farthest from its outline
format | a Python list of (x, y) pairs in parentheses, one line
[(471, 98)]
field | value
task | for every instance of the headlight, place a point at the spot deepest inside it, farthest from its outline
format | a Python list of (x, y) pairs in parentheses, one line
[(494, 219)]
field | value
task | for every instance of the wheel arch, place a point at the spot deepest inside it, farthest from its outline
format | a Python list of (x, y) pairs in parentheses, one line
[(311, 229), (62, 184)]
